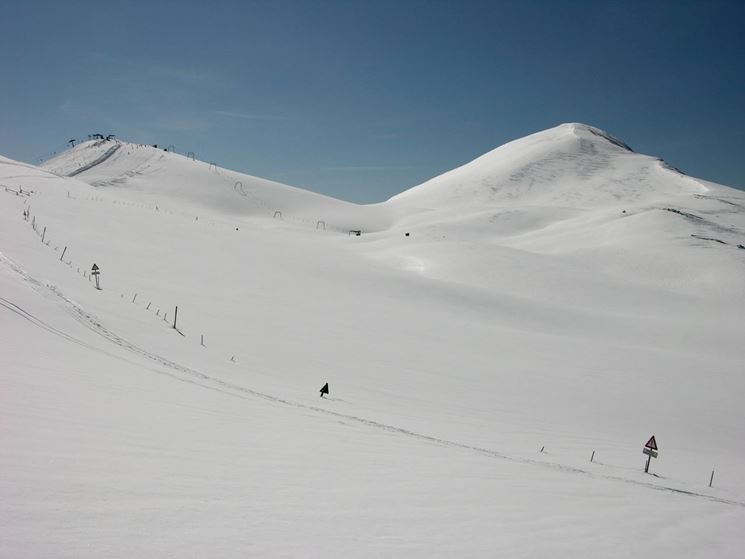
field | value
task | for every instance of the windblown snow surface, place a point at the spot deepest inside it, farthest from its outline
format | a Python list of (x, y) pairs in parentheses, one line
[(560, 292)]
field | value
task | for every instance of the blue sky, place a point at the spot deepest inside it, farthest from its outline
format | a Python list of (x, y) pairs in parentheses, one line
[(361, 100)]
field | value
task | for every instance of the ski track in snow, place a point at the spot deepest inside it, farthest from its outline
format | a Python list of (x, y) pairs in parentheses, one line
[(23, 313), (205, 381), (111, 151)]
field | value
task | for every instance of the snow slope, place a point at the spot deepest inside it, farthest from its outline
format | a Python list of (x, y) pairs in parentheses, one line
[(580, 199), (524, 310), (197, 186)]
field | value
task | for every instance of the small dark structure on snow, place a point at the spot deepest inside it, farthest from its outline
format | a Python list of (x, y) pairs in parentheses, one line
[(325, 389)]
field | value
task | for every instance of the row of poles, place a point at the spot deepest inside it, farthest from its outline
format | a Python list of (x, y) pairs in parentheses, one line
[(95, 273), (646, 465)]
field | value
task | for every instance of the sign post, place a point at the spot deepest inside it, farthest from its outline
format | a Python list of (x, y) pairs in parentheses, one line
[(95, 272), (651, 450)]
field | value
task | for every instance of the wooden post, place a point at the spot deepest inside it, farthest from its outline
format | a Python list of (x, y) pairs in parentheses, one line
[(63, 254), (44, 233), (175, 317), (135, 297), (646, 466), (202, 340), (148, 306), (711, 479), (593, 456), (542, 448)]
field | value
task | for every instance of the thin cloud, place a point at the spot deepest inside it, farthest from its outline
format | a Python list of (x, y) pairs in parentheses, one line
[(344, 168), (182, 123), (73, 107), (251, 116)]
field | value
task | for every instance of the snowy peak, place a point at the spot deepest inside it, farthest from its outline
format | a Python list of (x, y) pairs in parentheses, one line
[(583, 129), (80, 157), (571, 164), (569, 132)]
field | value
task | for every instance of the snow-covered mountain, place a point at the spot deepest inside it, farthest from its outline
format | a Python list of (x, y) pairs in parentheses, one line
[(201, 186), (571, 165), (560, 292), (577, 193)]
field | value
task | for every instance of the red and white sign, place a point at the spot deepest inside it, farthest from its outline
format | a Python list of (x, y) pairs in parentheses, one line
[(651, 444)]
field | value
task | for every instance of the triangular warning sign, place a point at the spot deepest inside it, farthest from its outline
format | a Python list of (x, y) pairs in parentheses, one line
[(651, 444), (95, 267)]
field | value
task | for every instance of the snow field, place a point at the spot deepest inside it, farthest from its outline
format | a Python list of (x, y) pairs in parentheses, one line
[(518, 314)]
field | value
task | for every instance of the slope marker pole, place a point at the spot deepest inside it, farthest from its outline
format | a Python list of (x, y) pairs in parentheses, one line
[(175, 316)]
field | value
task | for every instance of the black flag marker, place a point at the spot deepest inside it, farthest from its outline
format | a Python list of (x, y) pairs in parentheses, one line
[(325, 389)]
